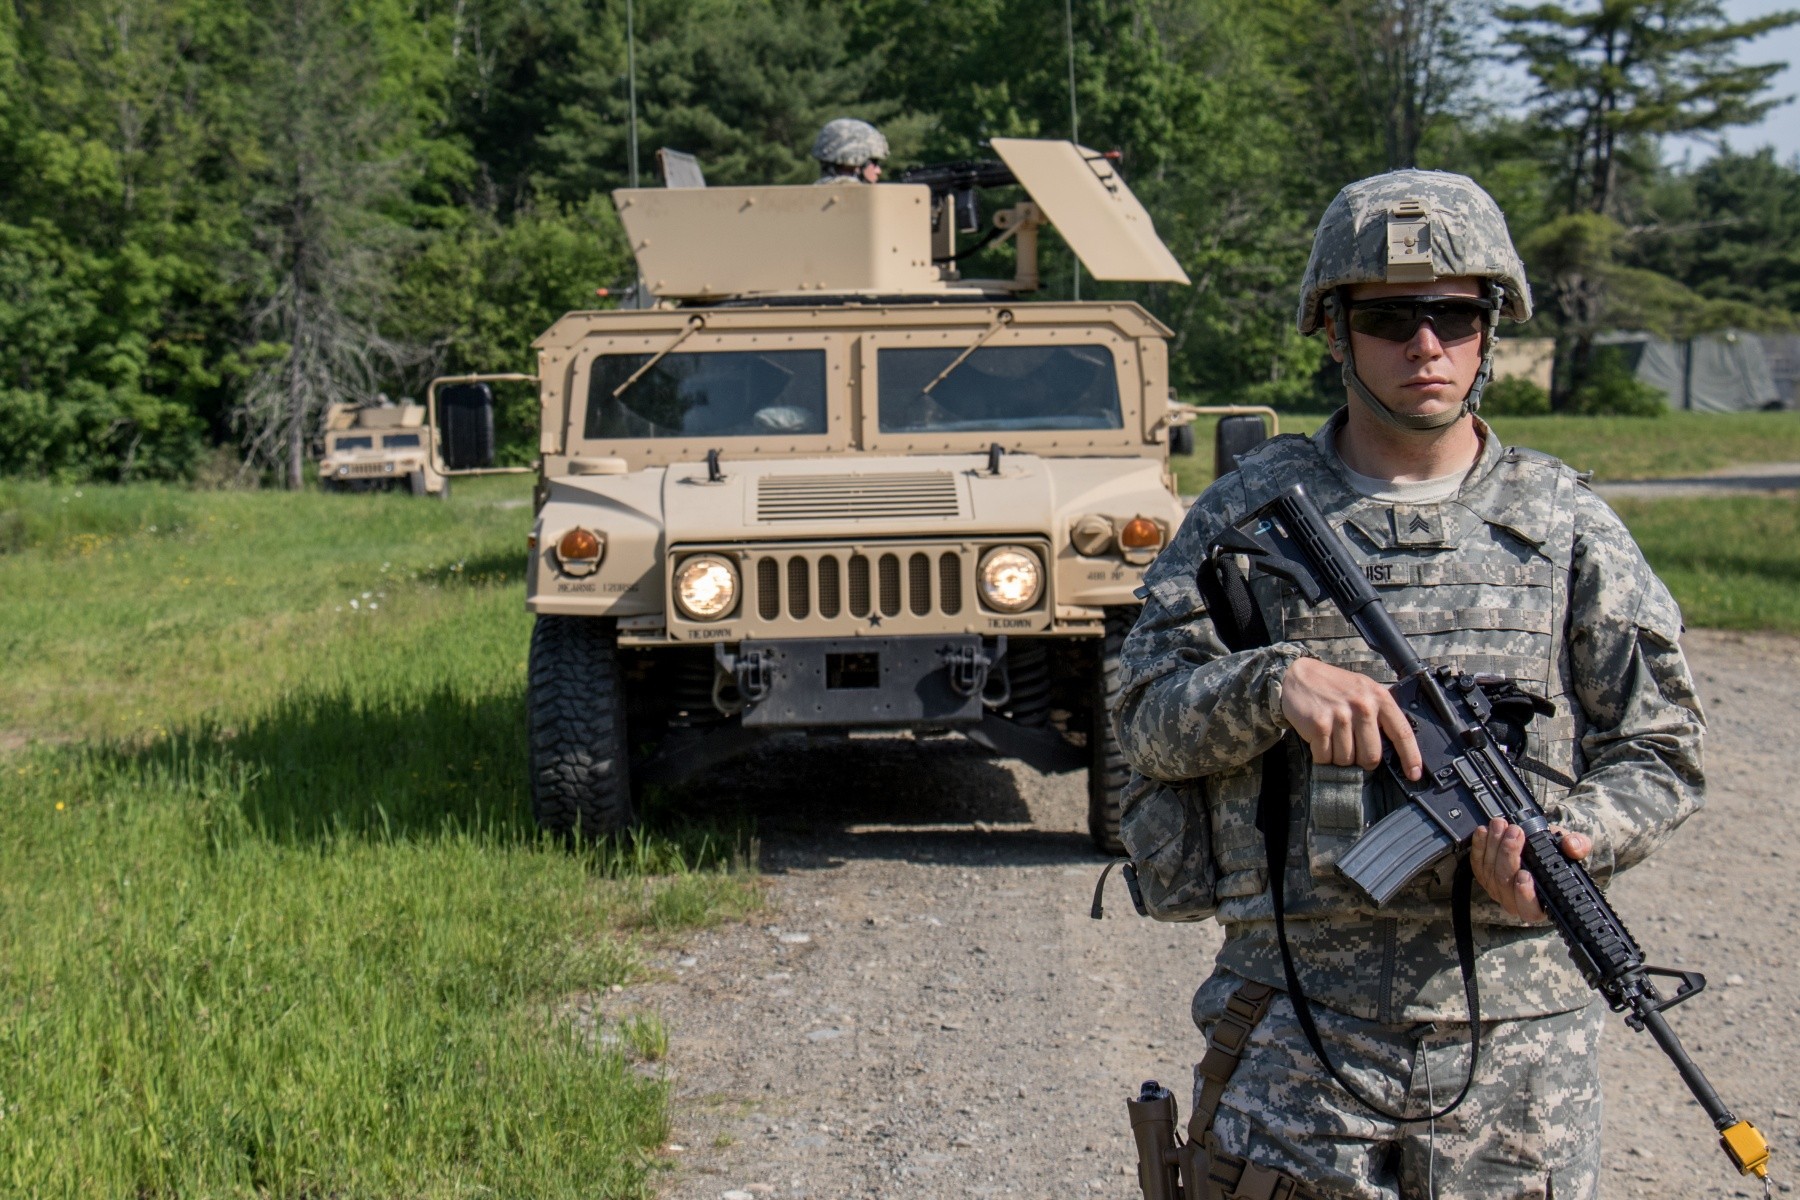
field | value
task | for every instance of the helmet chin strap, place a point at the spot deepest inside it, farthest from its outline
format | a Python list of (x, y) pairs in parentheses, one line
[(1337, 310)]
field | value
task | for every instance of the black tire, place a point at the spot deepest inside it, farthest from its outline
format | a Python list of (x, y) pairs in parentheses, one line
[(1234, 436), (444, 489), (416, 481), (1107, 769), (575, 714)]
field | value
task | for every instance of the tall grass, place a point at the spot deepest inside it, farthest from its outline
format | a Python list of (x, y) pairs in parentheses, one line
[(273, 917)]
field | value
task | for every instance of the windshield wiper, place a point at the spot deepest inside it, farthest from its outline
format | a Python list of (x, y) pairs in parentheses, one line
[(1002, 319), (695, 325)]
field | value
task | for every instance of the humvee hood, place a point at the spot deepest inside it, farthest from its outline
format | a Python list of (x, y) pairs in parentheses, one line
[(817, 499)]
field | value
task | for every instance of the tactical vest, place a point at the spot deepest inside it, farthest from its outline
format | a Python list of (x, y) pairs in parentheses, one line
[(1479, 581)]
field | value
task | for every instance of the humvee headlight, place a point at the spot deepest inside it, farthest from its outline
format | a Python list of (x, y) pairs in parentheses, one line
[(578, 551), (1141, 533), (706, 587), (1011, 578)]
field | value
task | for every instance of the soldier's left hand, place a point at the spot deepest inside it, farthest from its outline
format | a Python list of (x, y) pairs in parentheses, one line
[(1495, 854)]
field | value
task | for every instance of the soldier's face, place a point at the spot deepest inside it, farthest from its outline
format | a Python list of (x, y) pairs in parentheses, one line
[(1424, 374), (870, 172)]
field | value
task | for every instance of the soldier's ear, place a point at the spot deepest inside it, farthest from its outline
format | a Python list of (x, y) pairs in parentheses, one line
[(1331, 339)]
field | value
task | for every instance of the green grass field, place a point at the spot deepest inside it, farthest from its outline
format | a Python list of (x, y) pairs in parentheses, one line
[(1675, 444), (1732, 562), (273, 918)]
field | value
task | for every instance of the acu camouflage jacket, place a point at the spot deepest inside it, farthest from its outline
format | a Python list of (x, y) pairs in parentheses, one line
[(1524, 573)]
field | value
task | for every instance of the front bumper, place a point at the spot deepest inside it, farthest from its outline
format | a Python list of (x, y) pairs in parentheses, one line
[(861, 682)]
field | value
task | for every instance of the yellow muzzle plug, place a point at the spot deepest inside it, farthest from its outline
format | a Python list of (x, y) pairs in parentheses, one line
[(1747, 1148)]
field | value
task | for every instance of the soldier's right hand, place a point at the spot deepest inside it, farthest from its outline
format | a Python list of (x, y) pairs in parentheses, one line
[(1342, 716)]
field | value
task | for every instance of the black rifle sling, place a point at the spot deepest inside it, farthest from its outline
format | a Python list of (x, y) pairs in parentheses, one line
[(1272, 817), (1235, 616), (1240, 625)]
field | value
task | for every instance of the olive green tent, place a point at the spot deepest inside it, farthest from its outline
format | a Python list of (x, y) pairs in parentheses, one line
[(1717, 372)]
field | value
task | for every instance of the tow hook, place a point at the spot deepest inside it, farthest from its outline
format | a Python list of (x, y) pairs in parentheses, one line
[(751, 668), (967, 667)]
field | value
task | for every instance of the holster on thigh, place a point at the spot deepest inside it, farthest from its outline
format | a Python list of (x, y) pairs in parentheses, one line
[(1208, 1173)]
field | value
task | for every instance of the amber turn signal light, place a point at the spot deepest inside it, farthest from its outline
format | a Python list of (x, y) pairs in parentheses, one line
[(1140, 533), (578, 544)]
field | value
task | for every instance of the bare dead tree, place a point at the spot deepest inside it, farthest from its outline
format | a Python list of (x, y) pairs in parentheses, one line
[(324, 249), (1383, 74), (1413, 61)]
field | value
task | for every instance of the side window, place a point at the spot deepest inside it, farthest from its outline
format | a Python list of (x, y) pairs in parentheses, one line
[(720, 393)]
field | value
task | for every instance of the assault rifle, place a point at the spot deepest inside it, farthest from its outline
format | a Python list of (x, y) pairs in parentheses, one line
[(1469, 779)]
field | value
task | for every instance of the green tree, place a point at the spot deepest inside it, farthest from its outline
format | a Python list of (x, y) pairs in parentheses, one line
[(742, 84), (113, 337), (475, 295), (1625, 71), (1730, 230), (1383, 76)]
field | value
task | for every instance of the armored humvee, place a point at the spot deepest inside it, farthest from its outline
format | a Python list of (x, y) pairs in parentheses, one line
[(820, 482), (371, 446)]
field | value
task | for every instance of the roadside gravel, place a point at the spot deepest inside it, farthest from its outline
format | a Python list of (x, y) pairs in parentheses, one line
[(926, 1010)]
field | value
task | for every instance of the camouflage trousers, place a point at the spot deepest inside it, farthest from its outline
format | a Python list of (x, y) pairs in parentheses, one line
[(1529, 1130)]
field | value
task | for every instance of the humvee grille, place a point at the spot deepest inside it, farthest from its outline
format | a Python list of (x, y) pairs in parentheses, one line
[(857, 497), (366, 468), (915, 586)]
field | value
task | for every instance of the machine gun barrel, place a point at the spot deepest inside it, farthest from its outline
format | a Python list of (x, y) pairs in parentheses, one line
[(1467, 780), (943, 178)]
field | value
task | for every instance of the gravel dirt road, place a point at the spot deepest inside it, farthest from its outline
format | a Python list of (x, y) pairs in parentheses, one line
[(926, 1010), (1752, 479)]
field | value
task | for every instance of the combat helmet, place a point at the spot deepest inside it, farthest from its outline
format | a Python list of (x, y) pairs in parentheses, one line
[(1412, 227), (847, 142)]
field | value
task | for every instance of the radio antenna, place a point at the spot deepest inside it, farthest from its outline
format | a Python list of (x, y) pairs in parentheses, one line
[(1074, 112), (631, 141)]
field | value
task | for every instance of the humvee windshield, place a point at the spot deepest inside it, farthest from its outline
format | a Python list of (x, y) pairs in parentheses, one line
[(356, 443), (722, 393), (394, 441), (998, 388)]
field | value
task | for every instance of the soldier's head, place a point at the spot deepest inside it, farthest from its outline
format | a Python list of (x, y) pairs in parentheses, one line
[(851, 149), (1410, 274)]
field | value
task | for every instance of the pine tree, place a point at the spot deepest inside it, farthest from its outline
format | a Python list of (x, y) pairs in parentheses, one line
[(1629, 70)]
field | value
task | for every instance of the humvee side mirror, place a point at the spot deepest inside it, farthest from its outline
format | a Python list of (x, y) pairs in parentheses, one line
[(466, 411), (1235, 435), (1181, 439)]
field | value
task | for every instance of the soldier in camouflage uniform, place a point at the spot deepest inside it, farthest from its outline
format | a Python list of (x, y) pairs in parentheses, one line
[(849, 151), (1494, 559)]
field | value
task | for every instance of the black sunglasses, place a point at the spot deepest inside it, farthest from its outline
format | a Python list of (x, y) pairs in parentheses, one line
[(1397, 318)]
